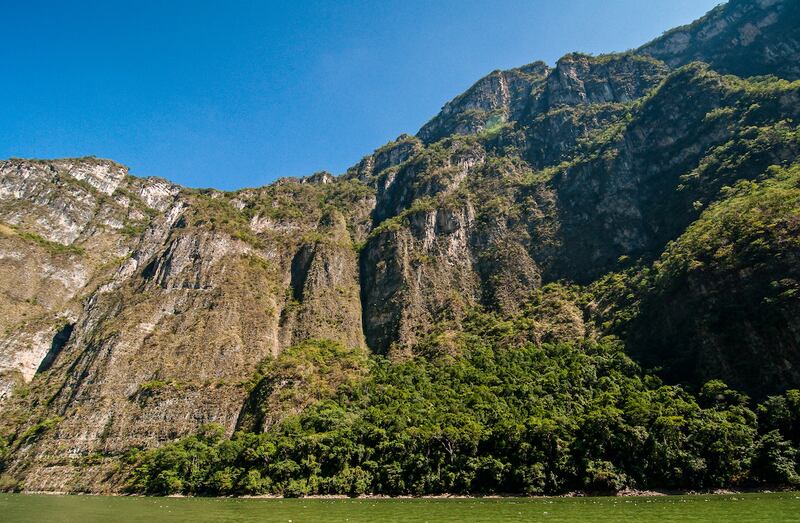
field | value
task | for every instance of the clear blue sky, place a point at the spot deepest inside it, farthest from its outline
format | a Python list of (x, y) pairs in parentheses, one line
[(230, 94)]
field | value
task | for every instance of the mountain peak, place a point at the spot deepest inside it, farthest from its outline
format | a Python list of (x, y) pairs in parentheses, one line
[(556, 245)]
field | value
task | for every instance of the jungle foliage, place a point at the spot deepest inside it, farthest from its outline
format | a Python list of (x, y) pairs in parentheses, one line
[(506, 416)]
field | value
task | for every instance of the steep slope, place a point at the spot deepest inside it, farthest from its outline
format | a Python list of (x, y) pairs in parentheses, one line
[(467, 221), (741, 37), (64, 226), (495, 98), (721, 300), (571, 202), (247, 273)]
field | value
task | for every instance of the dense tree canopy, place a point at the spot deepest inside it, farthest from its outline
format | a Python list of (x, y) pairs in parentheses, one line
[(503, 416)]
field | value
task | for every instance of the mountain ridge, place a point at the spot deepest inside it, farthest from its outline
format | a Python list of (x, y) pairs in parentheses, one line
[(567, 201)]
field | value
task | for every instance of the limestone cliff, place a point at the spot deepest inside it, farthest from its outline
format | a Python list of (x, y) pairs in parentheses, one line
[(741, 37), (136, 311)]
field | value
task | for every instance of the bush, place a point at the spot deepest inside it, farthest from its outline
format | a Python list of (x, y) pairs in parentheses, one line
[(506, 416), (776, 460)]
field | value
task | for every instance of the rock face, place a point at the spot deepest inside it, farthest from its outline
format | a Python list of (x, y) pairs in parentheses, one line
[(742, 37), (63, 226), (495, 98), (582, 80), (325, 288), (109, 323), (136, 311), (416, 275)]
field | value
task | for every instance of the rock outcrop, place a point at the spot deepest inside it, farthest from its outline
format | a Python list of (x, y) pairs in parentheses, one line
[(136, 311), (741, 37)]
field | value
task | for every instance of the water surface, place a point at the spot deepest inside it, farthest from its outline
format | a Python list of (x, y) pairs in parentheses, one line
[(83, 509)]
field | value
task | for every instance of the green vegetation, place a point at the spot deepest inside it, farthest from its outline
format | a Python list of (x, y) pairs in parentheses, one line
[(756, 220), (52, 247), (573, 274), (153, 385), (215, 210), (505, 416), (34, 432), (693, 302), (5, 452), (289, 200), (300, 375), (493, 126), (399, 221), (133, 229)]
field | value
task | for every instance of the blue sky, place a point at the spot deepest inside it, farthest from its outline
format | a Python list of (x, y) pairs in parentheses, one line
[(231, 94)]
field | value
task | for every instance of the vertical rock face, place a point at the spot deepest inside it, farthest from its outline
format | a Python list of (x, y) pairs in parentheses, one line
[(64, 225), (638, 189), (496, 97), (435, 171), (416, 275), (581, 96), (136, 360), (580, 79), (135, 311), (62, 198), (151, 317), (742, 37), (325, 288)]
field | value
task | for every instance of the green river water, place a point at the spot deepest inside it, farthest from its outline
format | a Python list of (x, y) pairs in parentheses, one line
[(735, 507)]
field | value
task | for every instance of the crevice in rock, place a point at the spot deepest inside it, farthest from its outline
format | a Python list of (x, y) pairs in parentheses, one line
[(300, 265), (59, 341), (150, 269)]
